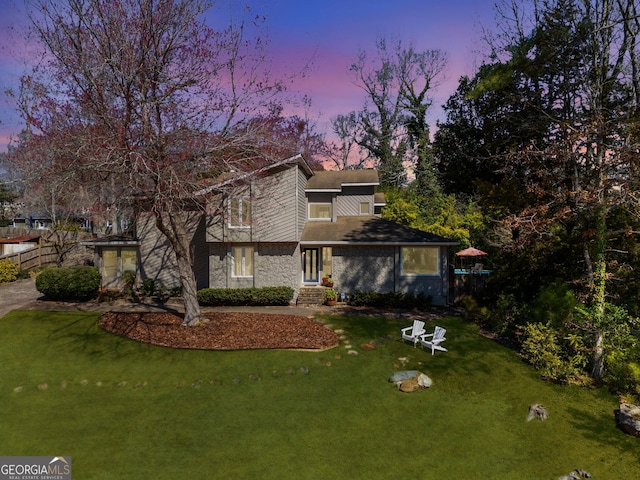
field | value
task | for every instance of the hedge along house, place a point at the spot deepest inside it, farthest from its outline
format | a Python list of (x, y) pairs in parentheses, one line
[(285, 225)]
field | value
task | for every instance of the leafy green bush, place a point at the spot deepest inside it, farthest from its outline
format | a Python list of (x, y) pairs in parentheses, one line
[(150, 287), (555, 303), (473, 312), (541, 348), (505, 316), (264, 296), (24, 274), (8, 271), (77, 283), (389, 300)]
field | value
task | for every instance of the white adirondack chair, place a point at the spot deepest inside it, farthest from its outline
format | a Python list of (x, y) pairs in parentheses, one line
[(433, 340), (413, 332)]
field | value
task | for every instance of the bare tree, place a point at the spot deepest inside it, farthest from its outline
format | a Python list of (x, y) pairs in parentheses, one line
[(144, 93), (392, 127)]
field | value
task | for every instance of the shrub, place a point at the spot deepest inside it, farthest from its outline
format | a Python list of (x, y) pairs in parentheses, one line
[(540, 347), (76, 283), (505, 316), (555, 303), (24, 274), (264, 296), (389, 300), (8, 271), (150, 287), (473, 312)]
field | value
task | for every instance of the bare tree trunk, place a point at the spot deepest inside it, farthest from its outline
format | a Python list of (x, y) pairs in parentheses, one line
[(599, 320), (174, 227), (598, 356)]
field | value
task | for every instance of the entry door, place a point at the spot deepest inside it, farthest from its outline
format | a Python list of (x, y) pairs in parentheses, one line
[(310, 264)]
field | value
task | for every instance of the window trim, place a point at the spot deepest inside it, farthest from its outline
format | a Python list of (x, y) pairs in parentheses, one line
[(438, 262), (320, 219), (368, 212), (241, 202)]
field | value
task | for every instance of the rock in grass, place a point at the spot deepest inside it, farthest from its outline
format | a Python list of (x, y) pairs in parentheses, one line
[(411, 380), (628, 418), (576, 474), (537, 411), (43, 386), (404, 375), (18, 389)]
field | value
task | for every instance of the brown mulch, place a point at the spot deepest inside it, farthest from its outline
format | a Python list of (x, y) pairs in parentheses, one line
[(222, 331)]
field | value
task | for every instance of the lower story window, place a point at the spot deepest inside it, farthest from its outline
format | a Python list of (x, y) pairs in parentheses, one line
[(117, 260), (420, 261), (326, 261), (243, 261)]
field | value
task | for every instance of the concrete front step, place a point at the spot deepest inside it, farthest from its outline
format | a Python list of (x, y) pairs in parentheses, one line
[(311, 296)]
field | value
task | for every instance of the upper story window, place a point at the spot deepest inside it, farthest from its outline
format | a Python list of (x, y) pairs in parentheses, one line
[(239, 212), (320, 211), (364, 208), (420, 261)]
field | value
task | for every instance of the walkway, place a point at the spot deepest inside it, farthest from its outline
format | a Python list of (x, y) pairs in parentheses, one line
[(17, 295), (22, 295)]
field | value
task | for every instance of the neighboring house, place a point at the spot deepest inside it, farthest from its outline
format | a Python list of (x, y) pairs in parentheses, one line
[(18, 243), (287, 225), (34, 221)]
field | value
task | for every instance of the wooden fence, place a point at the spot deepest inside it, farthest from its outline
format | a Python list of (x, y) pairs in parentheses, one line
[(38, 256)]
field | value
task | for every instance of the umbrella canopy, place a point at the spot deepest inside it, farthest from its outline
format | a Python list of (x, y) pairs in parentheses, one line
[(470, 252)]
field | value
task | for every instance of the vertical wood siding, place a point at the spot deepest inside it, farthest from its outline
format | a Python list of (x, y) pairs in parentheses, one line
[(157, 260)]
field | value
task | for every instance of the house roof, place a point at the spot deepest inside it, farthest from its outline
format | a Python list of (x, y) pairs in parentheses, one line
[(20, 239), (334, 180), (232, 178), (112, 241), (368, 230), (379, 199)]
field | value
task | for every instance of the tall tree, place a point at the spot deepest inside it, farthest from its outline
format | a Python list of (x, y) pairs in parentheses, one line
[(391, 128), (144, 93), (573, 70)]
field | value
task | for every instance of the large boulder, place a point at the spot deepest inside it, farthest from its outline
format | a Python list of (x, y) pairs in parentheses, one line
[(628, 418), (410, 381)]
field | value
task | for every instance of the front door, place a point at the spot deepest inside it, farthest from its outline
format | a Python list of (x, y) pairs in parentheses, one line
[(310, 264)]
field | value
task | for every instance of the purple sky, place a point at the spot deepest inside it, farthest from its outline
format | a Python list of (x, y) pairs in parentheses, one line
[(328, 32)]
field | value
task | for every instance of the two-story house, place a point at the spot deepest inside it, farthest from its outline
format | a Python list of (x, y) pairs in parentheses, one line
[(287, 225)]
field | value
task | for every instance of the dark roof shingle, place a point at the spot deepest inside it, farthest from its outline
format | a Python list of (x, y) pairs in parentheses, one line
[(335, 179), (368, 230)]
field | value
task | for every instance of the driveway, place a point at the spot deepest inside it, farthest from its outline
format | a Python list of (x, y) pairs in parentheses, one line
[(17, 295)]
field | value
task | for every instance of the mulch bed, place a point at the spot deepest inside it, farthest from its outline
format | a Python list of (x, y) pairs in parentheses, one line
[(222, 331)]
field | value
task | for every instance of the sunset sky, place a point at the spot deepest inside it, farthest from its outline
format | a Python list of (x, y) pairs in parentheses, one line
[(329, 33)]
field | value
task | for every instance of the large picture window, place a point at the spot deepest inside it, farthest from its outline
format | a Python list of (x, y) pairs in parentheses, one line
[(319, 211), (239, 212), (117, 260), (243, 261), (420, 261)]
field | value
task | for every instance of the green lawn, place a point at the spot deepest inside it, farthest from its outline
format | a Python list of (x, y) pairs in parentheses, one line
[(124, 410)]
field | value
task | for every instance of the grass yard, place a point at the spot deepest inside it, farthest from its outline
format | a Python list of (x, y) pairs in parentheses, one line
[(124, 410)]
